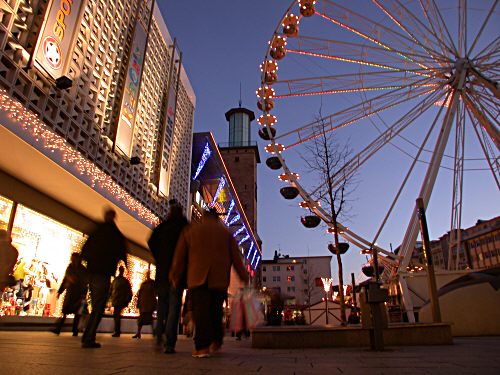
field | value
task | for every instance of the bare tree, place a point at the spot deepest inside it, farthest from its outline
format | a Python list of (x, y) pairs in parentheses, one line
[(326, 157)]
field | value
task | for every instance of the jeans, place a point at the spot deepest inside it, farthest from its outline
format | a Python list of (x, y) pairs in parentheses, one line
[(99, 286), (117, 317), (207, 316), (169, 309), (61, 320)]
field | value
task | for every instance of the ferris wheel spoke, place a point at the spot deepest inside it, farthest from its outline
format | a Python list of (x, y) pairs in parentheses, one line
[(479, 112), (385, 138), (368, 29), (488, 150), (415, 158), (457, 191), (345, 83), (481, 30), (360, 111), (490, 52), (462, 27), (436, 21), (419, 28), (363, 54)]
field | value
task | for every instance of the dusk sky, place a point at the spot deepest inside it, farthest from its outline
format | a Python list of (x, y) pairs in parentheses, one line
[(223, 43)]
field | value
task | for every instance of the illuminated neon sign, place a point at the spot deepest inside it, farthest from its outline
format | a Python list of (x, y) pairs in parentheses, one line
[(222, 183)]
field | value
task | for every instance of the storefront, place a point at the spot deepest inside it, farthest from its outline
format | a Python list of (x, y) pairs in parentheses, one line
[(45, 246)]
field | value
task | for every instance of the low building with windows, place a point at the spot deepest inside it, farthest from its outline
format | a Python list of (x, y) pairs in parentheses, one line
[(295, 278)]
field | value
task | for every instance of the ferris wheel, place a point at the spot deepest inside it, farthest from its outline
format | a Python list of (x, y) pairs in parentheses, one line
[(415, 80)]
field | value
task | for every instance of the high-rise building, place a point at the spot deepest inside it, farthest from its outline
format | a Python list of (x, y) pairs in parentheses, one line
[(96, 110)]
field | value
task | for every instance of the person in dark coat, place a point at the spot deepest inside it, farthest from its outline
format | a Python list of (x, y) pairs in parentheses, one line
[(146, 303), (162, 244), (75, 285), (104, 248), (121, 295), (8, 259)]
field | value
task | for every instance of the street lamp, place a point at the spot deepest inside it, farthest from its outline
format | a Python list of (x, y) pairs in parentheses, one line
[(327, 285)]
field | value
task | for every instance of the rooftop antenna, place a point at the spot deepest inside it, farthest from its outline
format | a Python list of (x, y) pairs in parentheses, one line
[(240, 95)]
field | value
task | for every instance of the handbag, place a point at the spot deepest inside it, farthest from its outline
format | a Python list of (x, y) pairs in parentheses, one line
[(245, 312)]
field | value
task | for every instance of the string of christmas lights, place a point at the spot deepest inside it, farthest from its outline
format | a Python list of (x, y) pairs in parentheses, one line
[(42, 134)]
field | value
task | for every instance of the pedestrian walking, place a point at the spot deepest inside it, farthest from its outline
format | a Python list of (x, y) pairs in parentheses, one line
[(102, 251), (121, 295), (75, 285), (162, 243), (206, 251), (146, 303), (8, 260)]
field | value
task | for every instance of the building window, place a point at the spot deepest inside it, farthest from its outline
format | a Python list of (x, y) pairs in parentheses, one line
[(290, 268), (264, 279), (236, 159), (264, 269), (290, 278)]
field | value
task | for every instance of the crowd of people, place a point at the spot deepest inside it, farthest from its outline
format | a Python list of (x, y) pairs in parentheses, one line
[(193, 256)]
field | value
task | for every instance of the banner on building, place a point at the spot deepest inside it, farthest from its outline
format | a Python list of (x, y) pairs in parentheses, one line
[(58, 35), (167, 139), (126, 118)]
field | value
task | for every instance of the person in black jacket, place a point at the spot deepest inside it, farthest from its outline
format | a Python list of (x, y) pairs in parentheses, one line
[(104, 248), (75, 285), (162, 243)]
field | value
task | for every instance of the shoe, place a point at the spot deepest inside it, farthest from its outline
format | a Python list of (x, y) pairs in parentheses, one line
[(115, 335), (136, 336), (75, 333), (169, 350), (202, 353), (55, 331), (238, 338), (91, 345), (215, 347)]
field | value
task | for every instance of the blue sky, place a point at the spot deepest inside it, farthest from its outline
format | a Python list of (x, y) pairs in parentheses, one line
[(223, 43)]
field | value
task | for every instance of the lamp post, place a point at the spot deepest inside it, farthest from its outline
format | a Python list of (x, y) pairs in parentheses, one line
[(327, 285)]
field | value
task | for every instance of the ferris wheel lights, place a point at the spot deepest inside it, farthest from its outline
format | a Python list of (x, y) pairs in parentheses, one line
[(309, 205), (277, 148), (265, 92), (307, 7), (289, 177), (270, 65), (365, 252), (267, 119), (290, 25)]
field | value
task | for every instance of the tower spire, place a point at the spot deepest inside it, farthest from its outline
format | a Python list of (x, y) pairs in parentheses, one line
[(240, 96)]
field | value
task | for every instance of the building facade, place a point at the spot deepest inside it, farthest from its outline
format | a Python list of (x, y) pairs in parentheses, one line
[(97, 111), (480, 247), (295, 278)]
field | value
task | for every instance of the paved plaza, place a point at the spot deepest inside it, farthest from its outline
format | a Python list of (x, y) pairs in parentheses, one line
[(23, 353)]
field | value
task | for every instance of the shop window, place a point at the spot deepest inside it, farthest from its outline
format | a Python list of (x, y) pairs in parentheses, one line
[(45, 247), (5, 208)]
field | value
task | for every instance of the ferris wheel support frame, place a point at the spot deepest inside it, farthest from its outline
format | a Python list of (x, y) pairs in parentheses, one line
[(428, 184)]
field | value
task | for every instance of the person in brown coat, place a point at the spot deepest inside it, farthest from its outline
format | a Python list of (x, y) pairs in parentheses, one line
[(206, 251), (146, 303)]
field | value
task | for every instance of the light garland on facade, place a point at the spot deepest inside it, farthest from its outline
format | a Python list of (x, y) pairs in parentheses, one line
[(244, 239), (239, 230), (234, 219), (204, 157), (250, 249), (229, 211), (43, 135)]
